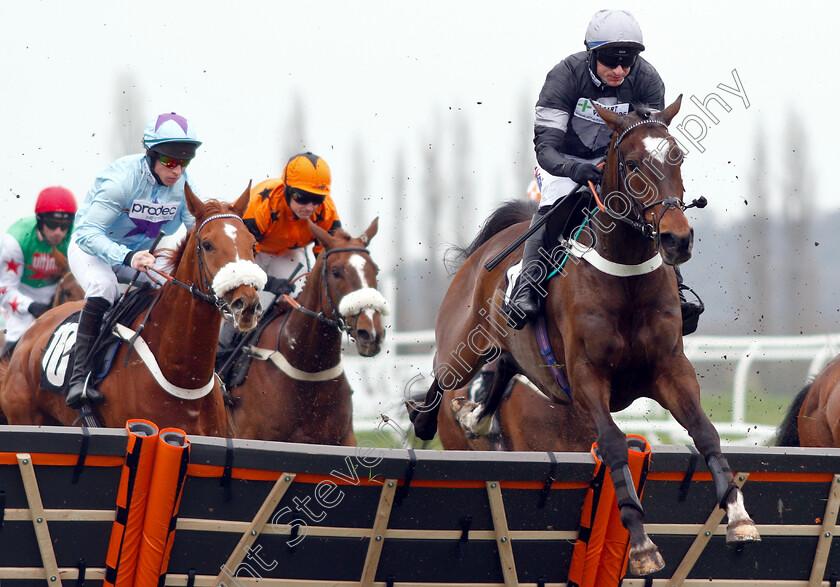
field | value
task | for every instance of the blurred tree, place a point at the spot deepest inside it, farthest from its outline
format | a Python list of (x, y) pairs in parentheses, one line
[(756, 252), (130, 119), (797, 271)]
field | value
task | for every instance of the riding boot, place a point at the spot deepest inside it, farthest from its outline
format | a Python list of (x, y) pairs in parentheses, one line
[(690, 310), (525, 302), (481, 384), (79, 390)]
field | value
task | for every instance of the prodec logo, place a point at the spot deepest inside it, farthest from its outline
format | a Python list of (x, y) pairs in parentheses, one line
[(140, 208)]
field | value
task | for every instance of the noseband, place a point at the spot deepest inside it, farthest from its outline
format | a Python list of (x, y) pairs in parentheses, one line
[(337, 320), (650, 231)]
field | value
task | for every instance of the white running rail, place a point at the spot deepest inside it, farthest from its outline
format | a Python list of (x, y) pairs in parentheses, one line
[(380, 384)]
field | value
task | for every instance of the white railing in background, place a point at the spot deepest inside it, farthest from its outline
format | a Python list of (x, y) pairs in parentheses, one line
[(380, 383)]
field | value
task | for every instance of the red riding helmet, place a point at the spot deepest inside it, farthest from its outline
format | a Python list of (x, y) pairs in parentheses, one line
[(55, 199)]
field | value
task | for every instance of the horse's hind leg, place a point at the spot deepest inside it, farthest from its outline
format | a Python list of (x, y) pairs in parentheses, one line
[(478, 418)]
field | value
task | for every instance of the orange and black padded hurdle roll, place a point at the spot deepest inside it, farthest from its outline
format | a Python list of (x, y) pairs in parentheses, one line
[(121, 562), (171, 460), (601, 551)]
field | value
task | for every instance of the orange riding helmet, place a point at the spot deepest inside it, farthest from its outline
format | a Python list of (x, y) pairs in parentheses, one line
[(306, 172)]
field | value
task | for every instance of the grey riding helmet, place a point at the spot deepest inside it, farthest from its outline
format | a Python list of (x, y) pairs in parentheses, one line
[(614, 28)]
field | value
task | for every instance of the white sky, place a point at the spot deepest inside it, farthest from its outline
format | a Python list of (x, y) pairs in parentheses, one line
[(381, 75)]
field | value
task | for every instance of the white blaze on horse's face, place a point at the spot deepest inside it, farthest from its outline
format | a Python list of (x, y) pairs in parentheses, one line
[(367, 298), (232, 232), (657, 148)]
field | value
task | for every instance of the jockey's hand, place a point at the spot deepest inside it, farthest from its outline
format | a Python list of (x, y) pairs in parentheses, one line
[(37, 308), (279, 286), (142, 259), (583, 173)]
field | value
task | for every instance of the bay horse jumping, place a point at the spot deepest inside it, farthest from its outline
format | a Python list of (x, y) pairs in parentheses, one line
[(613, 320), (813, 418), (215, 265), (296, 389)]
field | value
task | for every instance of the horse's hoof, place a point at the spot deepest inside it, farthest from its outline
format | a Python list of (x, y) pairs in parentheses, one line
[(646, 561), (412, 413), (742, 531)]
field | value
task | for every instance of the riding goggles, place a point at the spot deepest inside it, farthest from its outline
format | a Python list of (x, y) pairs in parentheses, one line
[(172, 162), (306, 198), (613, 59), (52, 224)]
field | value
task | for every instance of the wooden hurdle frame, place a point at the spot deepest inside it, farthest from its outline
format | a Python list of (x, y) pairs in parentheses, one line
[(401, 522)]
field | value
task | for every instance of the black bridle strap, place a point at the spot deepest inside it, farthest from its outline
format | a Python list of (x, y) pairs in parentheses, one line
[(337, 320)]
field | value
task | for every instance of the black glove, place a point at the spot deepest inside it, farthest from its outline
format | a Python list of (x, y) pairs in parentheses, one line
[(37, 308), (279, 286), (583, 172)]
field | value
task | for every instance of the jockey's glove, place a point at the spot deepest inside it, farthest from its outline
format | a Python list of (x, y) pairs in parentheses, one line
[(583, 172), (279, 286), (37, 308)]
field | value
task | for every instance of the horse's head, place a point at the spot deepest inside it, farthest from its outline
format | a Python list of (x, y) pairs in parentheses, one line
[(224, 250), (348, 276), (643, 182)]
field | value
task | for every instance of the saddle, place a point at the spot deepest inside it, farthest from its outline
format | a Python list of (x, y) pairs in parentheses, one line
[(58, 358)]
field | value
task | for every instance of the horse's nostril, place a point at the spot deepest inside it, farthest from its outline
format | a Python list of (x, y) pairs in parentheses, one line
[(364, 336), (237, 304)]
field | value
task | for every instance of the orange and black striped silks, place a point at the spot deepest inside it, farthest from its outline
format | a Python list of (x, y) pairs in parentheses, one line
[(171, 460), (121, 561), (601, 551)]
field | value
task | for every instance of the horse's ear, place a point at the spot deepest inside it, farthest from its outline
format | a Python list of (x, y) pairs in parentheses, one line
[(609, 117), (241, 204), (194, 205), (671, 111), (370, 232), (324, 238)]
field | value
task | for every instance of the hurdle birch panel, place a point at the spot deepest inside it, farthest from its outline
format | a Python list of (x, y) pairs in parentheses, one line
[(331, 516)]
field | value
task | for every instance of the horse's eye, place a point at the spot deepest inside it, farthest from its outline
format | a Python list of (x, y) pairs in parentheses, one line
[(207, 246), (336, 272), (632, 166)]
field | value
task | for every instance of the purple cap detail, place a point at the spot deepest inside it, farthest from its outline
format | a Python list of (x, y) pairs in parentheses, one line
[(180, 120)]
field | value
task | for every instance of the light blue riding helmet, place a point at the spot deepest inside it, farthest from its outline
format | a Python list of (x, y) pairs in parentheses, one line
[(172, 135)]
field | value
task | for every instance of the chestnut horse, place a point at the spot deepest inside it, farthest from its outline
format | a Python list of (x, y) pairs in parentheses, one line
[(296, 389), (813, 418), (215, 265), (613, 321)]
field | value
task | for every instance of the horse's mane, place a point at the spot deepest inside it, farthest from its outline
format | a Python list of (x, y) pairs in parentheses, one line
[(211, 208), (507, 214)]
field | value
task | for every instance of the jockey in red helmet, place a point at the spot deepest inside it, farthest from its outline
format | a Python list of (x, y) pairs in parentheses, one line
[(29, 272)]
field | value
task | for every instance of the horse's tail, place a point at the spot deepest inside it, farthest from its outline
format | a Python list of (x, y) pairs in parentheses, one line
[(787, 434), (507, 214)]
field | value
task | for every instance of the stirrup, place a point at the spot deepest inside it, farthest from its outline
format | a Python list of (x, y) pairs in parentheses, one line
[(690, 310)]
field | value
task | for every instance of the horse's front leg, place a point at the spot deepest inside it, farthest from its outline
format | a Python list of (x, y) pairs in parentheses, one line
[(592, 393), (677, 391)]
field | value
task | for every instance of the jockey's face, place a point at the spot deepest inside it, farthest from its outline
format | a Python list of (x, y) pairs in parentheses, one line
[(303, 210), (168, 175), (54, 236), (612, 76)]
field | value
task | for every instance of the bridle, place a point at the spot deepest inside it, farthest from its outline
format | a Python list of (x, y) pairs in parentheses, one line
[(639, 210), (204, 277), (335, 319)]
